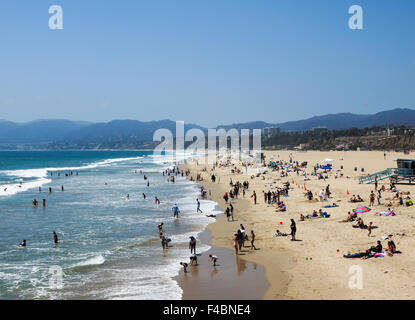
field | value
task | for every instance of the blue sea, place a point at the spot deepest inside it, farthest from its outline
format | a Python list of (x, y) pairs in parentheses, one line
[(109, 247)]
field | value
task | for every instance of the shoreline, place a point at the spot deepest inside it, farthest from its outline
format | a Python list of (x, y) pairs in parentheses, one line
[(214, 236), (229, 280)]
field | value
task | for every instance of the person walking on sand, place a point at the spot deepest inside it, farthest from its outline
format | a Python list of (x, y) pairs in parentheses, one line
[(254, 196), (236, 243), (226, 197), (372, 199), (369, 228), (293, 230), (228, 213), (379, 196), (252, 240), (244, 235), (240, 239), (231, 210), (198, 206)]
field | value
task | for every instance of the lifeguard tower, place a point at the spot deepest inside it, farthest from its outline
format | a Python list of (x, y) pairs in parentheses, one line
[(405, 171)]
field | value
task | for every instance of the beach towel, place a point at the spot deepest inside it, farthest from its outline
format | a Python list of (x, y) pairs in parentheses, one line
[(354, 255)]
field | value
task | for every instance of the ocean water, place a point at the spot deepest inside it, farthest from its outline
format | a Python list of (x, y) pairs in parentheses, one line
[(109, 246)]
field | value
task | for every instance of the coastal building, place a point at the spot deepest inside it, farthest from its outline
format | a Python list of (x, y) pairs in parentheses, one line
[(271, 131), (319, 129)]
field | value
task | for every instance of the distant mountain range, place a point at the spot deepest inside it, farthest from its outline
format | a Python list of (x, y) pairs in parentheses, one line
[(338, 121), (123, 133), (39, 131)]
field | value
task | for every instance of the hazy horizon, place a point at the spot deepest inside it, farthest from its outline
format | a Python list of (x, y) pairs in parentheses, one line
[(219, 124)]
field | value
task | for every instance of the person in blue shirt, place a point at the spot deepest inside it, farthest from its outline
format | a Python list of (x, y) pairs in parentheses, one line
[(175, 210)]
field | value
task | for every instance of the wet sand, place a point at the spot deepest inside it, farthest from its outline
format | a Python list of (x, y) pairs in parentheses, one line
[(234, 278)]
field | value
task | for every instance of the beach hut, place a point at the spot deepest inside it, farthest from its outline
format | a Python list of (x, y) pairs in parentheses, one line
[(404, 171)]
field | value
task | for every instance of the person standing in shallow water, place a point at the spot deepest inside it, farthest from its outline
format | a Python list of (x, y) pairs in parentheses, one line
[(175, 210), (192, 245), (198, 206), (185, 265), (55, 238)]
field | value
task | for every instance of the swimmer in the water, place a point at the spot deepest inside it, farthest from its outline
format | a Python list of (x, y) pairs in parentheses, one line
[(128, 196), (55, 237), (156, 201), (144, 196), (22, 244)]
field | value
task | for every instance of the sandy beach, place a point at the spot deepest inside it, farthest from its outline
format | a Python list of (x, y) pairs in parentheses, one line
[(314, 266)]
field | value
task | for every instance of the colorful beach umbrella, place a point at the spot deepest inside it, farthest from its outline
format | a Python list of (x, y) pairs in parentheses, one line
[(361, 209)]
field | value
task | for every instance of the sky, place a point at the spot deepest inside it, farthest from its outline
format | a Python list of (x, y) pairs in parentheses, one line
[(208, 62)]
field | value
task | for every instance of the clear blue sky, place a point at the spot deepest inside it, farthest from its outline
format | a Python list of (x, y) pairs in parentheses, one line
[(208, 62)]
